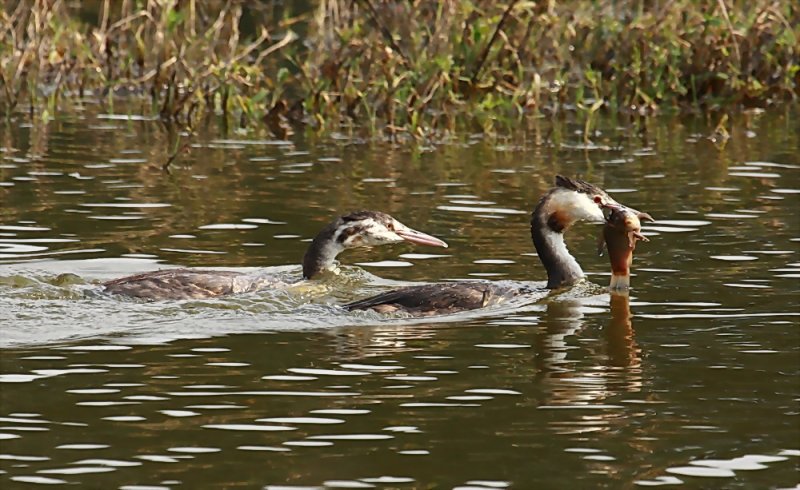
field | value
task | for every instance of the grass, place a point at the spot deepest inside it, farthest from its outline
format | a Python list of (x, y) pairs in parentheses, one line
[(418, 68), (185, 62)]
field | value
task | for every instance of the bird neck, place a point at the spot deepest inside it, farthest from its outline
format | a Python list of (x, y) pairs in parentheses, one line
[(547, 232), (321, 254)]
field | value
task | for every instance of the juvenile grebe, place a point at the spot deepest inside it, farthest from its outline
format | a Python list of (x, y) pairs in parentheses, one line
[(571, 200), (354, 230)]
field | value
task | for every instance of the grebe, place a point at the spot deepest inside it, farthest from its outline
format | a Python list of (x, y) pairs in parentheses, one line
[(571, 200), (354, 230)]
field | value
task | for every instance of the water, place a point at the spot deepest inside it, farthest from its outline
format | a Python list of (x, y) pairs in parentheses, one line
[(693, 381)]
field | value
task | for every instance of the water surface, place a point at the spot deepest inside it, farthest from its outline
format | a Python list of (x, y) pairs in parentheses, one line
[(692, 381)]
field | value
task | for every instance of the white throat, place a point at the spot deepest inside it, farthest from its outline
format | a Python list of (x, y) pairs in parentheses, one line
[(328, 253), (558, 247)]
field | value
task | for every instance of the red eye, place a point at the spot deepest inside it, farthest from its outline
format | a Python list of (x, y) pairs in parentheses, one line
[(598, 199)]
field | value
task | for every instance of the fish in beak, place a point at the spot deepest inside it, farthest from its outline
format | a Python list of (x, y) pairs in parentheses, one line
[(623, 228)]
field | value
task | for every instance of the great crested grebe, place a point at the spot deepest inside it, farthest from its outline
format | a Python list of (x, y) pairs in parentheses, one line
[(571, 200), (354, 230)]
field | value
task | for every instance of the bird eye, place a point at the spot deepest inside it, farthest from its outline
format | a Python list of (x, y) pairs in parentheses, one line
[(598, 199)]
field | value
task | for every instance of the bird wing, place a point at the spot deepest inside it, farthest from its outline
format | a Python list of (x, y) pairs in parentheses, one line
[(175, 284), (435, 299)]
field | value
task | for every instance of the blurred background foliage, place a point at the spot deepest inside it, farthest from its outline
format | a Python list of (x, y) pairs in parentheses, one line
[(416, 68)]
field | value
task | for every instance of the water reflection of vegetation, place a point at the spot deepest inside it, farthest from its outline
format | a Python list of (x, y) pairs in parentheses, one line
[(224, 181)]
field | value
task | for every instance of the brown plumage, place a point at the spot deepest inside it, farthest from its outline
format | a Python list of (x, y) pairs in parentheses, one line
[(358, 229), (176, 284), (569, 201), (439, 299)]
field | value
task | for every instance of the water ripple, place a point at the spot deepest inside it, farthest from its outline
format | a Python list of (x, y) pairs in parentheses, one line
[(249, 427)]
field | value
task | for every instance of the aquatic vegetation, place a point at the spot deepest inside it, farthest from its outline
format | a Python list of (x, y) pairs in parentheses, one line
[(185, 59), (420, 68)]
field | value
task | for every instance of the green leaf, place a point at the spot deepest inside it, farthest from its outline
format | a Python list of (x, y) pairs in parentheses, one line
[(174, 18), (282, 75)]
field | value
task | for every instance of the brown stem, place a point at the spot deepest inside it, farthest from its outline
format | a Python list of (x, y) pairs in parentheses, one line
[(724, 10), (386, 33), (495, 35)]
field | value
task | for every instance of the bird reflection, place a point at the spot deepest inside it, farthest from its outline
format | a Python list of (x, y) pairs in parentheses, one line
[(622, 349), (586, 384), (564, 319)]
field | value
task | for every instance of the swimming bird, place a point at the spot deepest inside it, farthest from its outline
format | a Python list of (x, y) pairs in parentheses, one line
[(354, 230), (570, 201)]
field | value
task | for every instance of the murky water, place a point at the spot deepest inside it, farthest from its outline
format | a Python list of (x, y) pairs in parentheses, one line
[(693, 382)]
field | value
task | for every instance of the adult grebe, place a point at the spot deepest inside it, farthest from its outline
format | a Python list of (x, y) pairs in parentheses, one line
[(354, 230), (571, 200)]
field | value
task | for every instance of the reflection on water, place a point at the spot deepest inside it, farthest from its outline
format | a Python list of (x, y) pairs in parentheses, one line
[(691, 381)]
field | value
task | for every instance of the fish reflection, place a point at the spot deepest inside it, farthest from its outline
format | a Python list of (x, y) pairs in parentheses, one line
[(622, 349), (585, 388)]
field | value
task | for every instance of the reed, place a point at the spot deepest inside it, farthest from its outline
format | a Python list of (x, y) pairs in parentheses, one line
[(419, 68), (184, 58)]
